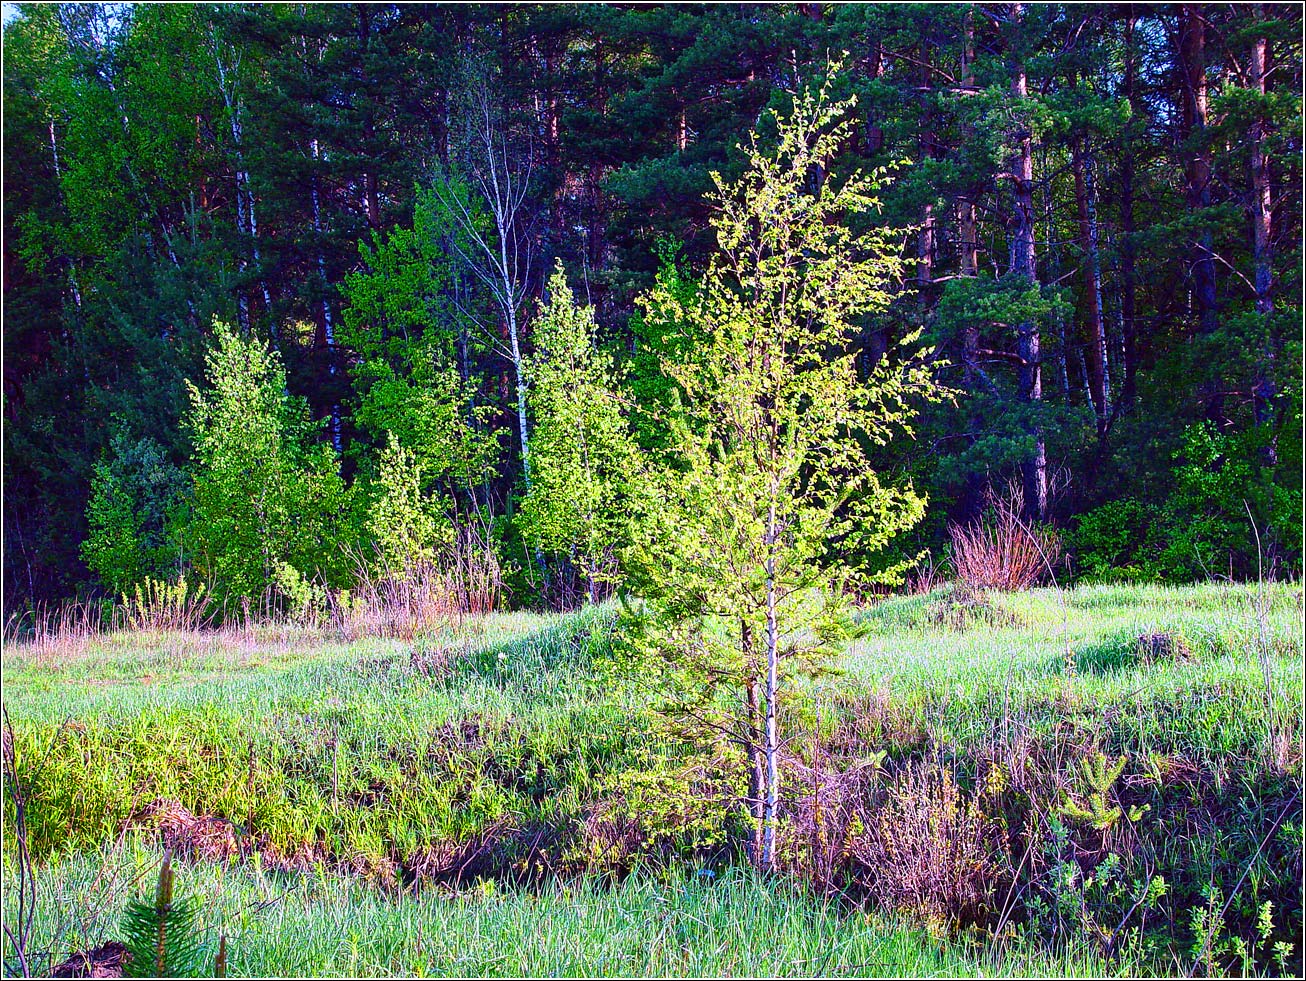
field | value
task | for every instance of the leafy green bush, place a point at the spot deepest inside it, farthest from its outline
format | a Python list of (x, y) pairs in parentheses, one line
[(135, 492), (1108, 542), (405, 524), (1221, 484), (265, 493)]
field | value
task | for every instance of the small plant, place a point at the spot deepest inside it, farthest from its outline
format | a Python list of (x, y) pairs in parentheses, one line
[(934, 851), (306, 601), (158, 605), (1213, 941), (1093, 807), (163, 937)]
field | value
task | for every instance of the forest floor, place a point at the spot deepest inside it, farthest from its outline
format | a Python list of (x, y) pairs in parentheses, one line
[(1101, 780)]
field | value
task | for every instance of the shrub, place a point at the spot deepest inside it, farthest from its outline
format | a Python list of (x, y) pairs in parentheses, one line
[(1108, 542), (134, 495), (1219, 481), (932, 850), (1002, 551), (404, 522)]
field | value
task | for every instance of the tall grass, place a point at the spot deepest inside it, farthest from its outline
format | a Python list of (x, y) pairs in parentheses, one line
[(495, 745), (65, 627), (680, 925)]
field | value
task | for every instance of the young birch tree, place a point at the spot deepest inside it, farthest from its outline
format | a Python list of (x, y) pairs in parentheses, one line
[(581, 449), (771, 504), (486, 200)]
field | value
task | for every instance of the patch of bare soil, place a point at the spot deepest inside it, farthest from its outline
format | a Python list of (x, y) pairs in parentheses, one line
[(202, 836), (104, 961)]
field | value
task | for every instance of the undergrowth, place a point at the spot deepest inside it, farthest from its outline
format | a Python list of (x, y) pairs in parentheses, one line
[(1047, 774)]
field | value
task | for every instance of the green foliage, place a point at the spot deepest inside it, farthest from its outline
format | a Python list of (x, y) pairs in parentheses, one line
[(437, 417), (416, 371), (581, 454), (1227, 513), (1091, 804), (1214, 945), (405, 523), (399, 299), (770, 487), (1220, 487), (134, 496), (654, 394), (265, 494), (997, 426), (1108, 541)]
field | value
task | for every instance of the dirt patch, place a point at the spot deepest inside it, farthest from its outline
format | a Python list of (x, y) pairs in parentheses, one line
[(104, 961), (964, 610), (1124, 652), (202, 836), (1155, 647), (375, 667), (502, 852)]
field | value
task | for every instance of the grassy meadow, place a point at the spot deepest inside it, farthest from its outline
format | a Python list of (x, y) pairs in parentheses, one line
[(1101, 780)]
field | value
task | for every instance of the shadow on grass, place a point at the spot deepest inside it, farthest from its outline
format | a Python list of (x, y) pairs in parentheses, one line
[(1110, 656), (575, 640), (1126, 651)]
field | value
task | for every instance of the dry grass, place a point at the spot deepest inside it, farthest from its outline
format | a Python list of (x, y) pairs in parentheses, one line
[(49, 633), (421, 597), (419, 600), (932, 850)]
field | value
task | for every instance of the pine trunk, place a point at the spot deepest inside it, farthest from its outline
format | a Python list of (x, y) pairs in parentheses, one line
[(1099, 385), (1034, 469)]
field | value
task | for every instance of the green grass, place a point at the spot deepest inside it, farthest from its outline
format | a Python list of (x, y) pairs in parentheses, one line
[(678, 925), (334, 758), (1072, 659)]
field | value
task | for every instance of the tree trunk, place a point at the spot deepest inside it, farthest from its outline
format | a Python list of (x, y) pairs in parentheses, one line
[(968, 243), (925, 267), (1099, 378), (1128, 258), (328, 328), (1197, 164), (772, 747), (1034, 469), (753, 742), (520, 378), (246, 218), (58, 177), (968, 248), (371, 199), (1262, 249)]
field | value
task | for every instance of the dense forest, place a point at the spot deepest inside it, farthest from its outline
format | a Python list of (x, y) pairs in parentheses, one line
[(296, 293)]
